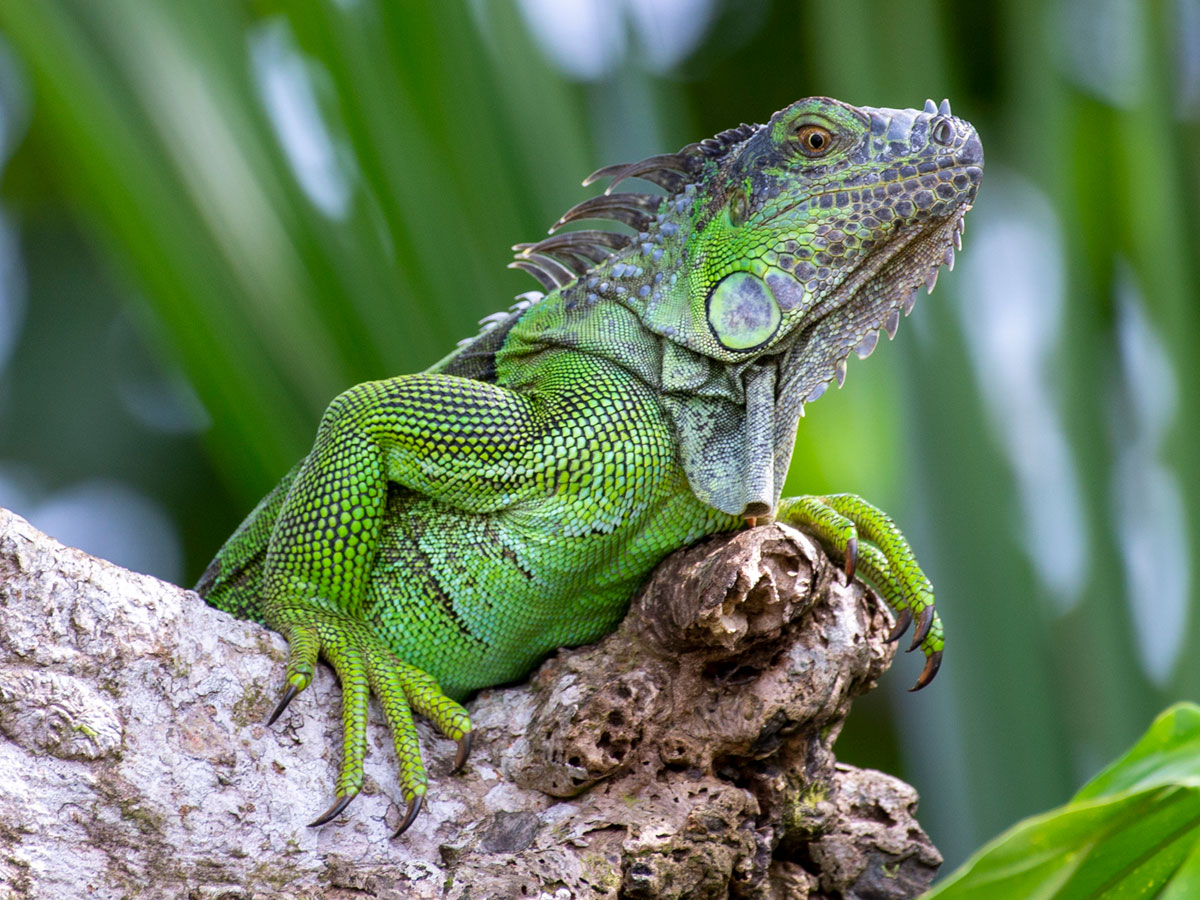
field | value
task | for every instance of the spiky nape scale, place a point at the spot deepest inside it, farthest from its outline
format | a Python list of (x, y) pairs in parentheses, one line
[(452, 527)]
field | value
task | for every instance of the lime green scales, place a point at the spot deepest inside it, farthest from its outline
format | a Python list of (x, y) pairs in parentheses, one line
[(450, 528)]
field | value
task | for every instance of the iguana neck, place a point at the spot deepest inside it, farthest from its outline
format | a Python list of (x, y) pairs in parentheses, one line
[(734, 447)]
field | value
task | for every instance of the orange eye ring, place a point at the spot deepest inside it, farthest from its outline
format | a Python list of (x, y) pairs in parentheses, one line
[(814, 141)]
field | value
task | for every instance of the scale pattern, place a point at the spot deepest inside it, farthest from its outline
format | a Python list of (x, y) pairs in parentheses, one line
[(450, 528)]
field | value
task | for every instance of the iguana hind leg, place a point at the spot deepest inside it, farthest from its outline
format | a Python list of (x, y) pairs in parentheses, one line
[(870, 543)]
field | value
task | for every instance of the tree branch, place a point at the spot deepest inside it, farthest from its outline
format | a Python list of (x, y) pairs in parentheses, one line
[(689, 754)]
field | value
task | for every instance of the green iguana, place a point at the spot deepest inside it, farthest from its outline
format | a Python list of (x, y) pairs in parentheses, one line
[(452, 527)]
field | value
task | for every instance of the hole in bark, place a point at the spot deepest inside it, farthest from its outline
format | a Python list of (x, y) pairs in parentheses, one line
[(617, 751), (731, 672), (796, 851), (573, 761), (772, 734), (616, 718), (875, 813), (726, 769)]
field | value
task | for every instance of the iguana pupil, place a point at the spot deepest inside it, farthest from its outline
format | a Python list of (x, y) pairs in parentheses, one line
[(742, 313)]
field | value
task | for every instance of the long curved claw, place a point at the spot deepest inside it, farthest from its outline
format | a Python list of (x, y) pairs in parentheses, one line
[(851, 558), (924, 621), (903, 620), (338, 807), (414, 808), (464, 749), (288, 696), (932, 663)]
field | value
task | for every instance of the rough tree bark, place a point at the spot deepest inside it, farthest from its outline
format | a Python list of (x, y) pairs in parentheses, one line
[(689, 754)]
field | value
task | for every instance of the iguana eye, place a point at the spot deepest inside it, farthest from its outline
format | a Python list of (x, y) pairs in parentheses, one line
[(814, 140)]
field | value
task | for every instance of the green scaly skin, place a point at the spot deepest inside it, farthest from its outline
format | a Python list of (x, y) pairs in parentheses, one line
[(452, 527)]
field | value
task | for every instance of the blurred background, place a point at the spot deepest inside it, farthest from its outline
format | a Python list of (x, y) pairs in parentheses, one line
[(216, 216)]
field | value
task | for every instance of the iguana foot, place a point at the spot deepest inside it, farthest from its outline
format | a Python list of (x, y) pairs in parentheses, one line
[(364, 665), (870, 543)]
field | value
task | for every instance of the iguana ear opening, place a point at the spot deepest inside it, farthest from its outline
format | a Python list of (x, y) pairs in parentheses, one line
[(739, 208)]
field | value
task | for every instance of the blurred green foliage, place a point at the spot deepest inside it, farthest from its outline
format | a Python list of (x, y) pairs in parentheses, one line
[(276, 200)]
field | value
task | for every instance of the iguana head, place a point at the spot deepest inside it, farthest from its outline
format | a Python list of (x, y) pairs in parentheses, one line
[(827, 214), (778, 250), (804, 236)]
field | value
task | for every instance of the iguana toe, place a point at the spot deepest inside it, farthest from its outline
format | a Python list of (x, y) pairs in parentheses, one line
[(303, 647)]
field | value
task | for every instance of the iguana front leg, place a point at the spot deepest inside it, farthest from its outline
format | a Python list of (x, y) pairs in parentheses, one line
[(871, 544), (453, 439)]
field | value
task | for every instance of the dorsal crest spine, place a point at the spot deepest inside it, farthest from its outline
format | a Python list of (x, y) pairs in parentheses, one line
[(559, 259), (564, 257)]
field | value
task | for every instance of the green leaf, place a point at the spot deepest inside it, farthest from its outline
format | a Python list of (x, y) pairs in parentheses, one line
[(1169, 753), (1133, 831)]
